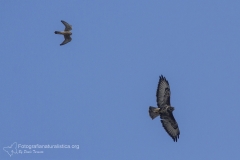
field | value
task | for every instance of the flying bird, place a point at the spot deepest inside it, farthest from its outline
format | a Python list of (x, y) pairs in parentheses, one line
[(66, 33), (165, 109)]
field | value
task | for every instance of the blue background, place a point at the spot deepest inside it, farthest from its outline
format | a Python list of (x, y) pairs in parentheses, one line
[(95, 91)]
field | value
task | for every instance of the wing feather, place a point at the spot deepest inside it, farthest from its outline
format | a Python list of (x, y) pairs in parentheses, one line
[(67, 39), (163, 92), (68, 27), (170, 125)]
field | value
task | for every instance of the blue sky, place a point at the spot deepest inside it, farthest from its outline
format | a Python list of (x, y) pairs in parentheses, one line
[(95, 91)]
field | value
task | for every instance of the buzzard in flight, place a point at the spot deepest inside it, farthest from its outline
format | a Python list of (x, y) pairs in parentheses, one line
[(66, 33), (165, 109)]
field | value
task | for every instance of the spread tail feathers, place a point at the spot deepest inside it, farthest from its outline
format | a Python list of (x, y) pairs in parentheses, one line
[(153, 112)]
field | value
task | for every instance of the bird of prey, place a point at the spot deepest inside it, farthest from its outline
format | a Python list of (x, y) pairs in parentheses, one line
[(66, 33), (165, 109)]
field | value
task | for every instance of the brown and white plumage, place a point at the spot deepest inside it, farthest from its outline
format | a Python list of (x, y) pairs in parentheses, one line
[(165, 109), (66, 33)]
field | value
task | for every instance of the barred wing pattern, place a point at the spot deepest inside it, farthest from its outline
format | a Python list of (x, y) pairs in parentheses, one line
[(170, 125), (163, 92)]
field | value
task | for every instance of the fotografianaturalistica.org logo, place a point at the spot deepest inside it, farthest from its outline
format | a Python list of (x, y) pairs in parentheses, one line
[(35, 148), (12, 149)]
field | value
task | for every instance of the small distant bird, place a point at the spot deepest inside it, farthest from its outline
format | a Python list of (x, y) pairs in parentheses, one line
[(165, 109), (66, 33)]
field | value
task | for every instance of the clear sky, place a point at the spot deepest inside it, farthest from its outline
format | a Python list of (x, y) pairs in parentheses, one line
[(95, 91)]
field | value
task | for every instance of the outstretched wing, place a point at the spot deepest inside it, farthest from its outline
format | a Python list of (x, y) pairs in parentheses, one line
[(163, 92), (170, 125), (67, 39), (68, 27)]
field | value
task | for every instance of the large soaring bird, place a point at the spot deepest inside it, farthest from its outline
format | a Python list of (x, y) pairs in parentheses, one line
[(66, 33), (165, 109)]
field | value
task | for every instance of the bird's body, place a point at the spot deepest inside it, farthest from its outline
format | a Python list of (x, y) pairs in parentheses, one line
[(66, 33), (63, 32), (164, 109)]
